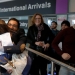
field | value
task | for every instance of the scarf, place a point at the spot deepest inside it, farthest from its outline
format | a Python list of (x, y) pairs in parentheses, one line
[(40, 28)]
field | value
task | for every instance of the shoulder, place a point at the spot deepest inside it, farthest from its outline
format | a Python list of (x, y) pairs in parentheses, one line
[(21, 31), (32, 27), (57, 30), (70, 29), (45, 25), (65, 31)]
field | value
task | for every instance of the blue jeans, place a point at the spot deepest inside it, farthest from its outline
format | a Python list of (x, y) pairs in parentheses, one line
[(27, 68), (65, 71)]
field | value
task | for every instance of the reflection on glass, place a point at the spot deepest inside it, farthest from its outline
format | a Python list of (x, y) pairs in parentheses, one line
[(73, 22), (49, 22)]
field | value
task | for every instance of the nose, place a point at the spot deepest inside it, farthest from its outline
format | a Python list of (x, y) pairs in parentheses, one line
[(11, 27)]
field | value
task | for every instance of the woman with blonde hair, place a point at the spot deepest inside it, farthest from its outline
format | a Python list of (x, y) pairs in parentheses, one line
[(39, 37)]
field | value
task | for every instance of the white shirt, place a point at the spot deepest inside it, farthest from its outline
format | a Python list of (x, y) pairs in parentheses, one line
[(5, 40)]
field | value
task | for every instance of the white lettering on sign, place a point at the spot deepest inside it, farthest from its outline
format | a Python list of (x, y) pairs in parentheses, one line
[(26, 7), (38, 6), (23, 24), (15, 8)]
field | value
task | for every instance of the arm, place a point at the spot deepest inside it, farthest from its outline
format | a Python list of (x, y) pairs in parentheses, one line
[(59, 38), (15, 48), (50, 37), (30, 37), (21, 42), (21, 34)]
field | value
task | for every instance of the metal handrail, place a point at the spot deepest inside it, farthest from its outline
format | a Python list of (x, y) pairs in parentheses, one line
[(51, 59)]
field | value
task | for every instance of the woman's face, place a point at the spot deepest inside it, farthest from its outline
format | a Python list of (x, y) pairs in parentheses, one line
[(37, 20)]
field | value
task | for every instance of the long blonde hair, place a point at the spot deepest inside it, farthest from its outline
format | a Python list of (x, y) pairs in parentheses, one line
[(33, 18)]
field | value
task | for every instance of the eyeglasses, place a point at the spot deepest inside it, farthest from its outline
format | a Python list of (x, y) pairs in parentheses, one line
[(13, 25), (37, 18)]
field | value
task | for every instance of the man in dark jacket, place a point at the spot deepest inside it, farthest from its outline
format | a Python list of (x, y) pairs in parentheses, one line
[(14, 25), (18, 38), (6, 51)]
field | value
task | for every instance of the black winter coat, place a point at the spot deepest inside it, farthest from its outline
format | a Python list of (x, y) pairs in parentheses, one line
[(46, 36)]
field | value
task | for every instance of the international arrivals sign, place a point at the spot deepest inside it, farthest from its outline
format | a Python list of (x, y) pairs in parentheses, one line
[(27, 7)]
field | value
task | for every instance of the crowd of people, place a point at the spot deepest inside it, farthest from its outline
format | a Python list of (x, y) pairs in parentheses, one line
[(59, 44)]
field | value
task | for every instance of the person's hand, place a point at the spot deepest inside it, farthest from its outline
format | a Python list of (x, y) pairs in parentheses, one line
[(22, 47), (9, 71), (46, 46), (66, 56), (40, 43)]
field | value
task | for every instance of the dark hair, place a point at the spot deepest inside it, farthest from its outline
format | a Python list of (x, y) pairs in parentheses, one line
[(3, 28), (54, 22), (14, 19), (67, 23)]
